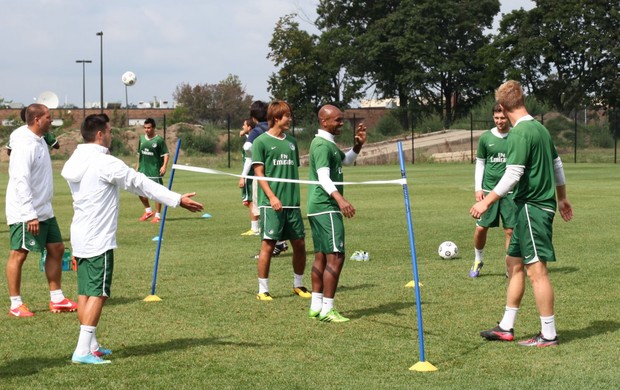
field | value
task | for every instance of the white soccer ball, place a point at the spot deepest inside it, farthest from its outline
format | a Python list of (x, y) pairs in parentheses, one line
[(448, 250), (129, 78)]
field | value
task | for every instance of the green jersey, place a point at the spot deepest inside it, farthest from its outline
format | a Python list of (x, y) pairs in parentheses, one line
[(492, 148), (530, 146), (151, 152), (324, 154), (280, 158)]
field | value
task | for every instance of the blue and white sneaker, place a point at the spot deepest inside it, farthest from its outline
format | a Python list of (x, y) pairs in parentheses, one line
[(88, 359)]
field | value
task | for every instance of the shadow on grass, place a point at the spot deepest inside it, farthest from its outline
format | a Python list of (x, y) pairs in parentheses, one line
[(388, 308), (116, 301), (33, 365), (563, 270), (596, 328)]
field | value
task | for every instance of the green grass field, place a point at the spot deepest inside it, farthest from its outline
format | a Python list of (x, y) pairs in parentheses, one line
[(210, 332)]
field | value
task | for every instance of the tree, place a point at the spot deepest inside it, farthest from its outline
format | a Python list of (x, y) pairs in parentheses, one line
[(421, 50), (566, 52), (214, 102), (312, 69)]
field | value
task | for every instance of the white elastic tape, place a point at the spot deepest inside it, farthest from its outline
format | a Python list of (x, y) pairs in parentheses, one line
[(216, 172)]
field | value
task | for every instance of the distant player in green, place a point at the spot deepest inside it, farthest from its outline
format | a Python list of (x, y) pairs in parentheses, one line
[(246, 185), (490, 167), (535, 170), (275, 154), (153, 162), (326, 207)]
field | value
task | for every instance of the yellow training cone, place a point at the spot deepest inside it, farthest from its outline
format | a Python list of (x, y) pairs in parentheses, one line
[(152, 298), (423, 367)]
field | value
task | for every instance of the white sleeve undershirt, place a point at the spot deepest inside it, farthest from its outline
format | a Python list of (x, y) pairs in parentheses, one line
[(558, 170), (509, 180), (479, 174), (325, 181), (349, 157)]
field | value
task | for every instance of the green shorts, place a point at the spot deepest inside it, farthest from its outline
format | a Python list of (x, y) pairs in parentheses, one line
[(532, 235), (20, 238), (94, 274), (504, 208), (327, 232), (246, 191), (287, 224)]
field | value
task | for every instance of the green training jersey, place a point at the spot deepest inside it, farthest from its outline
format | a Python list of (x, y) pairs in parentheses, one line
[(280, 158), (492, 148), (324, 154), (530, 145), (151, 152)]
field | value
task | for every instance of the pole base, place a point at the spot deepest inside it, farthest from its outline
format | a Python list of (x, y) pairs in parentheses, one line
[(423, 367), (152, 298), (412, 284)]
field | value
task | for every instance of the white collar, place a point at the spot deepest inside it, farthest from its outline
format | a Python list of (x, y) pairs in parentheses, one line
[(326, 135)]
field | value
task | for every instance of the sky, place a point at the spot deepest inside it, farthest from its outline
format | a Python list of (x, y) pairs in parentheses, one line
[(165, 43)]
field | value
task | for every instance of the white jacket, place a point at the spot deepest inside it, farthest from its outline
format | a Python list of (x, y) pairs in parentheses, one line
[(95, 179), (30, 189)]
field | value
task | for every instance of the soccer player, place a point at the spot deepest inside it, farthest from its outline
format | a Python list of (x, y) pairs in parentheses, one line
[(534, 167), (49, 138), (326, 207), (246, 185), (275, 155), (153, 162), (95, 179), (29, 213), (258, 113), (490, 166)]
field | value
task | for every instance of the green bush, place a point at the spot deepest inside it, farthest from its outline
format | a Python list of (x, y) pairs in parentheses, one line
[(198, 142), (389, 125), (119, 145)]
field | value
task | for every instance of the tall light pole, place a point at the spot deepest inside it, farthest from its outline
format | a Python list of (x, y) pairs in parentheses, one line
[(83, 62), (100, 34)]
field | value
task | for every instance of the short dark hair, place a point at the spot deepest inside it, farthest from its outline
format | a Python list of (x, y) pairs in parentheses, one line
[(22, 114), (92, 124), (250, 122), (258, 111), (150, 121), (497, 108), (33, 111)]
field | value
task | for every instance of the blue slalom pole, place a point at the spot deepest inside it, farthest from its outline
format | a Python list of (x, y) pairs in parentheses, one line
[(422, 365), (163, 220)]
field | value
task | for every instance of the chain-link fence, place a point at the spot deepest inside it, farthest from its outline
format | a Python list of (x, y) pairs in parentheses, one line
[(584, 136)]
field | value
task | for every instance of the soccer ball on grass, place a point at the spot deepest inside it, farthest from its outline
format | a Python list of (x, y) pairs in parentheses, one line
[(129, 78), (448, 250)]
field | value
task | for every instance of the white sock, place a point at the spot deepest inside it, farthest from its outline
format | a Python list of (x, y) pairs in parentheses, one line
[(57, 296), (298, 280), (16, 301), (83, 345), (148, 210), (479, 254), (508, 321), (263, 285), (157, 215), (280, 242), (548, 327), (254, 225), (94, 344), (316, 304), (328, 305)]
